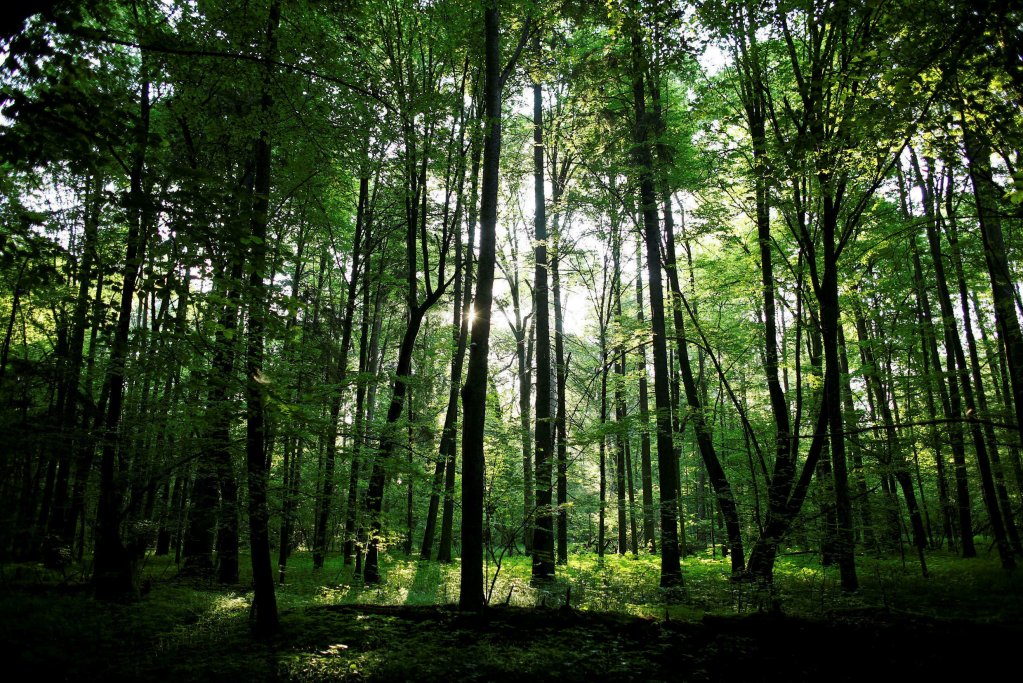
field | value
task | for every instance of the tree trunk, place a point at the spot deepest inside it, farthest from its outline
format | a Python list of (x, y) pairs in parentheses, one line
[(646, 469), (960, 374), (946, 394), (338, 379), (671, 571), (828, 297), (951, 230), (113, 570), (859, 478), (214, 467), (369, 355), (718, 476), (76, 344), (264, 602), (474, 391), (602, 461), (895, 461), (543, 534), (560, 418), (986, 191)]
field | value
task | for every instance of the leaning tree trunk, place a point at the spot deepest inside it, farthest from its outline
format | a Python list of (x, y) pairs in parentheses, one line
[(1004, 504), (704, 440), (986, 191), (896, 460), (416, 217)]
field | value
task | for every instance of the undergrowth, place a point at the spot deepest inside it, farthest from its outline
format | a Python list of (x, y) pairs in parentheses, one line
[(189, 626)]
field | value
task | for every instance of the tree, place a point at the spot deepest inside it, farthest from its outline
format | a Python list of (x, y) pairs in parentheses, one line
[(471, 596), (671, 573), (543, 533)]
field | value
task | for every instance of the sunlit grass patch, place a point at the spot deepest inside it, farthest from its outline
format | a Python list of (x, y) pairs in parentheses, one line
[(191, 629)]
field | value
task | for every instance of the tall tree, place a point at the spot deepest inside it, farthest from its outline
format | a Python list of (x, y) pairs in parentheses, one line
[(671, 571), (543, 530), (474, 391), (264, 603)]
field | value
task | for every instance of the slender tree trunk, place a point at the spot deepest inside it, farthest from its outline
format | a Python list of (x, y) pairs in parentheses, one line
[(560, 419), (369, 343), (474, 391), (448, 435), (646, 468), (389, 439), (602, 501), (339, 377), (895, 462), (76, 344), (704, 439), (113, 571), (986, 191), (448, 518), (5, 350), (292, 464), (543, 534), (416, 219), (785, 445), (1000, 381), (829, 314), (949, 397), (264, 602), (859, 478), (788, 487), (524, 354), (620, 450), (951, 230), (410, 501), (960, 375), (215, 466), (671, 571)]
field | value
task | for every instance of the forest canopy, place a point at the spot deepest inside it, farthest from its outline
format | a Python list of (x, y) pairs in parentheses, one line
[(470, 281)]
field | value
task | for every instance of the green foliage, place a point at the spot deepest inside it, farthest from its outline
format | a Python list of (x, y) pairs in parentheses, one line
[(190, 630)]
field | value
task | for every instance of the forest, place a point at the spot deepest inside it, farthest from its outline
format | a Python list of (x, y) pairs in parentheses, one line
[(481, 339)]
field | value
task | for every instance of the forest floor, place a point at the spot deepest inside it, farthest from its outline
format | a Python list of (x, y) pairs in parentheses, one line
[(967, 618)]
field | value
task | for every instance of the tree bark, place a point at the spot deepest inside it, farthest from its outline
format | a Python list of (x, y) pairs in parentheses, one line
[(543, 533), (474, 391), (113, 570), (448, 518), (671, 571), (986, 191), (264, 602), (950, 408), (560, 418), (339, 377), (646, 468), (960, 374)]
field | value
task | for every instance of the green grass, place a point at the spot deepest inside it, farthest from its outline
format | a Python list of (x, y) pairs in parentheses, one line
[(195, 629)]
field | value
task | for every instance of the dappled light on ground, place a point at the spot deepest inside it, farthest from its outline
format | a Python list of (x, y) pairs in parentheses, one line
[(619, 623)]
